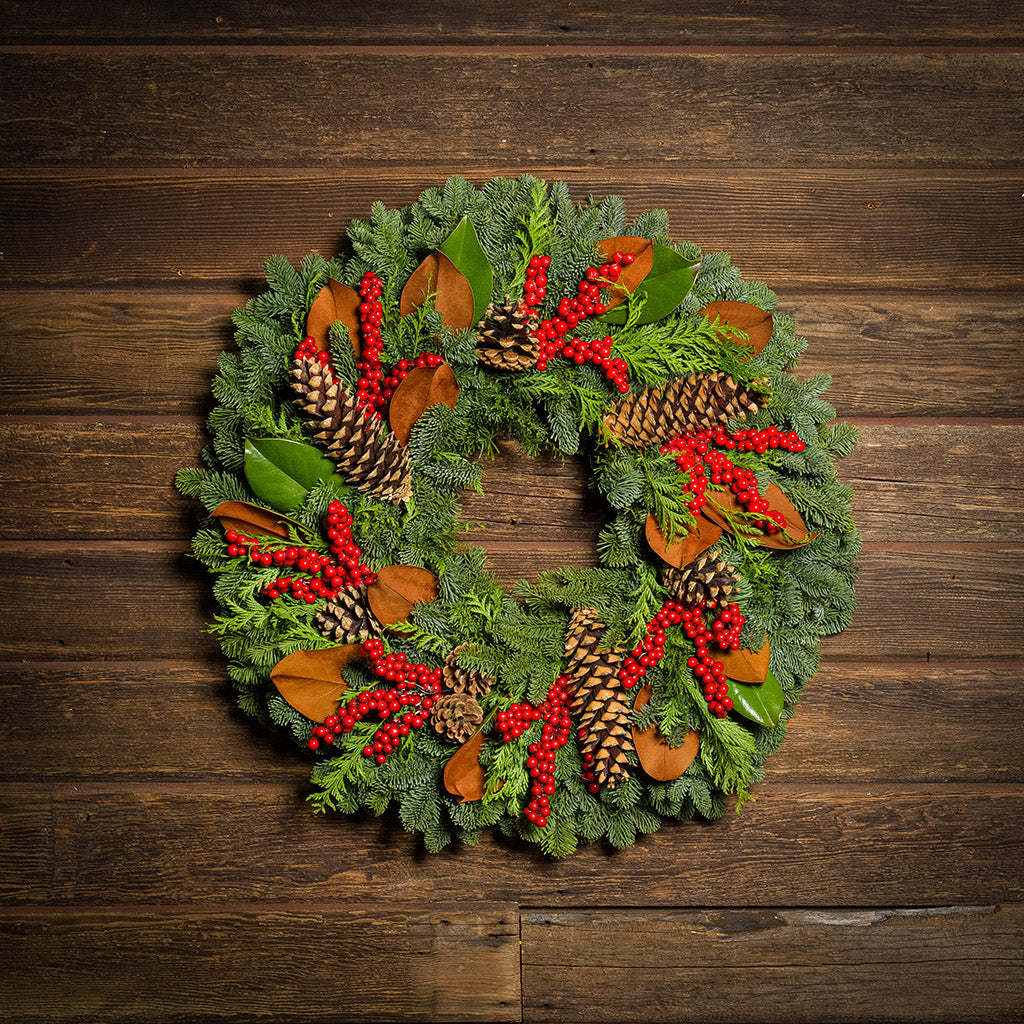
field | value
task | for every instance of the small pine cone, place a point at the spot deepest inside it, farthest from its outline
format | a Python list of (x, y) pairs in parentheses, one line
[(598, 706), (505, 338), (347, 619), (706, 578), (372, 460), (698, 402), (456, 716), (464, 680)]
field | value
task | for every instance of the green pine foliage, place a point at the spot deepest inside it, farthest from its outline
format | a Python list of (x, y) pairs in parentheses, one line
[(518, 637)]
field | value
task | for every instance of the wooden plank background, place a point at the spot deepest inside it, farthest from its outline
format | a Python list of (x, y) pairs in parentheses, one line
[(157, 861)]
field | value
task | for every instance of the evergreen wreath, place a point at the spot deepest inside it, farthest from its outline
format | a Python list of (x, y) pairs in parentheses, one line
[(591, 702)]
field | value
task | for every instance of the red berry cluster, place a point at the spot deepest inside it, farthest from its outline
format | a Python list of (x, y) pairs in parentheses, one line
[(725, 634), (369, 392), (552, 333), (760, 440), (536, 285), (647, 654), (383, 386), (695, 454), (328, 575), (415, 687), (375, 387), (554, 735)]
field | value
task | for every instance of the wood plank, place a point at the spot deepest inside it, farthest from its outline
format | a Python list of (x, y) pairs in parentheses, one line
[(914, 603), (798, 845), (941, 964), (956, 356), (793, 226), (113, 109), (113, 480), (530, 23), (26, 842), (126, 720), (110, 721), (319, 963)]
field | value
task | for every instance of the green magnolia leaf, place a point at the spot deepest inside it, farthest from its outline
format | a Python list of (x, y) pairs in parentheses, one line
[(760, 702), (463, 248), (666, 285), (281, 472)]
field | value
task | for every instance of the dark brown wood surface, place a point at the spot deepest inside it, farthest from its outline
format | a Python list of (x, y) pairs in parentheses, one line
[(157, 859)]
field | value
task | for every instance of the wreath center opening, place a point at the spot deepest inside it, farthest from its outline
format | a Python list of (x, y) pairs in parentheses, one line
[(535, 513)]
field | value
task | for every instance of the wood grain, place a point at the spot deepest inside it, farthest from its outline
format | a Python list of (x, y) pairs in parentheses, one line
[(112, 110), (315, 963), (774, 965), (805, 845), (123, 722), (793, 226), (26, 843), (913, 483), (957, 355), (530, 23), (158, 859), (914, 603)]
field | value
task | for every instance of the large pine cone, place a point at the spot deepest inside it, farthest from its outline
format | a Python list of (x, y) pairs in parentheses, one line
[(706, 578), (598, 706), (372, 460), (505, 338), (456, 716), (464, 680), (347, 619), (698, 402)]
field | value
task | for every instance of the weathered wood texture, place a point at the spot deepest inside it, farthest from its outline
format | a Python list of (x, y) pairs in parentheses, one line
[(799, 844), (793, 226), (916, 483), (894, 354), (157, 859), (599, 22), (399, 963), (113, 110), (810, 965)]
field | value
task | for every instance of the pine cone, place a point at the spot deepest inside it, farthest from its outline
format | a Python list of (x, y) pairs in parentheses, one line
[(372, 460), (706, 578), (505, 338), (598, 705), (689, 404), (456, 716), (464, 680), (347, 619)]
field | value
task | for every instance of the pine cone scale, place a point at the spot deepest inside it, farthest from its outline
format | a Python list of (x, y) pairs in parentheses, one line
[(373, 461)]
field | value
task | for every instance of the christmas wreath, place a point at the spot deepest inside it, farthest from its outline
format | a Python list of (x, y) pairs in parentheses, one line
[(366, 392)]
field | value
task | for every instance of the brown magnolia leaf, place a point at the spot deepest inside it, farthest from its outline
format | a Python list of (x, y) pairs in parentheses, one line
[(312, 681), (463, 774), (634, 273), (657, 758), (727, 500), (335, 301), (248, 519), (794, 536), (423, 387), (397, 588), (745, 666), (701, 536), (453, 294), (755, 322)]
